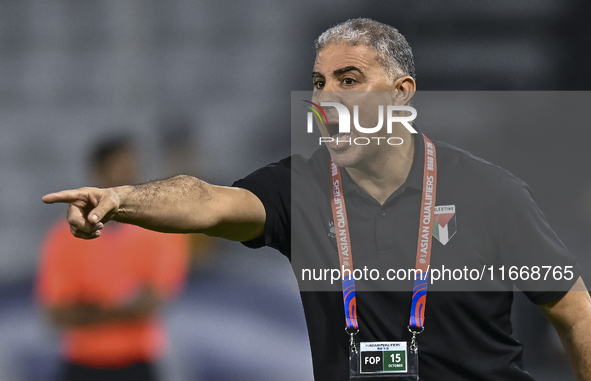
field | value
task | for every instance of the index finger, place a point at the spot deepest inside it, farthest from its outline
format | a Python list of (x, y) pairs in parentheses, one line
[(63, 196)]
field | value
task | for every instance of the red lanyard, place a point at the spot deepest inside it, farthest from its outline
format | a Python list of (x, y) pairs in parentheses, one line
[(339, 215)]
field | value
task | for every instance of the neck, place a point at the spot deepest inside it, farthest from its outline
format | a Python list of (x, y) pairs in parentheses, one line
[(384, 173)]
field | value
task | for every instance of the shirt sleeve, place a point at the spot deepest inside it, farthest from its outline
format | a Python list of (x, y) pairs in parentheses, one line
[(528, 243), (272, 185)]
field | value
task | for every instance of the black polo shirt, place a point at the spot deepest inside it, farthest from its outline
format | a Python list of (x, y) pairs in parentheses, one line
[(495, 222)]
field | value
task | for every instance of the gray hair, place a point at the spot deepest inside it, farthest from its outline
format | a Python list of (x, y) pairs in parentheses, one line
[(393, 52)]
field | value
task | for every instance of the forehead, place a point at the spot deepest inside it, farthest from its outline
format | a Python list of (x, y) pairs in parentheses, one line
[(335, 56)]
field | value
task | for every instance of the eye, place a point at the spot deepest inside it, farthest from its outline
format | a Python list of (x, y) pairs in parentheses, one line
[(349, 81), (318, 84)]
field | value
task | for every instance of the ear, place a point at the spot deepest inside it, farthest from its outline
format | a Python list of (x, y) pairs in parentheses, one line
[(404, 90)]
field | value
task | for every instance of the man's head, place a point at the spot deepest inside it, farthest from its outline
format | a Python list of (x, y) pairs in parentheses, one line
[(114, 162), (366, 64), (393, 52)]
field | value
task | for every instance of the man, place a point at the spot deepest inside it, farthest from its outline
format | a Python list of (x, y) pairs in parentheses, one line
[(105, 295), (291, 206)]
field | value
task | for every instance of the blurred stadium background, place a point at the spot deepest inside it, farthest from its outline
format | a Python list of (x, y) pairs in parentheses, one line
[(184, 76)]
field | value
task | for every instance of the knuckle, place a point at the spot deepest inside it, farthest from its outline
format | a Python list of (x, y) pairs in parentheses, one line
[(75, 223)]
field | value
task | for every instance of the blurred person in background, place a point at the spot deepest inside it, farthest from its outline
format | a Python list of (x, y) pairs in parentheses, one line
[(104, 295)]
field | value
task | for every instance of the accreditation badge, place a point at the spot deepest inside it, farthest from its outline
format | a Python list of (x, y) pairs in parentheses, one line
[(387, 360)]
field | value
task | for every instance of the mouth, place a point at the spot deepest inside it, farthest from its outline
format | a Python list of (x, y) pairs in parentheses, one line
[(333, 132), (332, 129)]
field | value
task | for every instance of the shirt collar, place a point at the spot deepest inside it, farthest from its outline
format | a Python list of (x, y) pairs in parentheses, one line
[(415, 176)]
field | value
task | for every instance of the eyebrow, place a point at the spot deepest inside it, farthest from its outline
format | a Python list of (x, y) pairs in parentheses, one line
[(338, 71), (343, 70)]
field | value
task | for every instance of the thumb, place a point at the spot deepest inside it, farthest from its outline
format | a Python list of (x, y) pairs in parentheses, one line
[(95, 216)]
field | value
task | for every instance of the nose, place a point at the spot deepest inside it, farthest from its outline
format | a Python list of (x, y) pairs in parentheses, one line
[(327, 94)]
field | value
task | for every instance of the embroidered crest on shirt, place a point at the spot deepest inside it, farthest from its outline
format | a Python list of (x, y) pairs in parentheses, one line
[(444, 226)]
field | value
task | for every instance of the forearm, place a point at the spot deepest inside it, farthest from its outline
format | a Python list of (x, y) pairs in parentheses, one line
[(179, 204), (571, 317), (185, 204), (577, 344)]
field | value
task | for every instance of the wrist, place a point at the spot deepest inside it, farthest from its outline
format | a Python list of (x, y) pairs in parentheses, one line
[(121, 197)]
